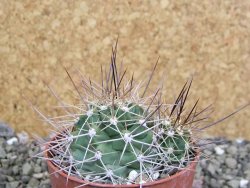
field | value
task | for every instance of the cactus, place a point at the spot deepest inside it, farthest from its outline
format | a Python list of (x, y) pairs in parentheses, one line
[(120, 138), (119, 135)]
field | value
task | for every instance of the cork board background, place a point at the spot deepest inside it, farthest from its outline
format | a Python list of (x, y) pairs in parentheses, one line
[(209, 39)]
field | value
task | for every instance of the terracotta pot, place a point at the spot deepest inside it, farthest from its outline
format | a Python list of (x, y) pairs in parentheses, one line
[(182, 179)]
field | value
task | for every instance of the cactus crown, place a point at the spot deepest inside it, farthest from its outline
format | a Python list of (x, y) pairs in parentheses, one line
[(119, 135)]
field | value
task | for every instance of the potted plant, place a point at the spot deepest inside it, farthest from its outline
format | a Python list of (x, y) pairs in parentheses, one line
[(121, 134)]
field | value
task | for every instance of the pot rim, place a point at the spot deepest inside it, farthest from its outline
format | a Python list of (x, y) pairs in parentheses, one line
[(73, 178)]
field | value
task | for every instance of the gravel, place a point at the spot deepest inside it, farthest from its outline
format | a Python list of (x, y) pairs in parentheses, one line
[(17, 167), (227, 166), (224, 165)]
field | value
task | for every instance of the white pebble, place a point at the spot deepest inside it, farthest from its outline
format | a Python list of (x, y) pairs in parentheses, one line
[(38, 176), (219, 150), (12, 140), (13, 157), (239, 140), (132, 175), (243, 183), (155, 175)]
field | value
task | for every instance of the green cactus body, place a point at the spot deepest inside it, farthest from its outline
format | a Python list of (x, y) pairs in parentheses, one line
[(114, 132), (111, 137)]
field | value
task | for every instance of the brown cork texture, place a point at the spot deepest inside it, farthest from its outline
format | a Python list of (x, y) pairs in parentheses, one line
[(208, 39)]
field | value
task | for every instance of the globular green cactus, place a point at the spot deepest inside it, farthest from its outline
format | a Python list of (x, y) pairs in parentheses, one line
[(119, 135), (120, 138)]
